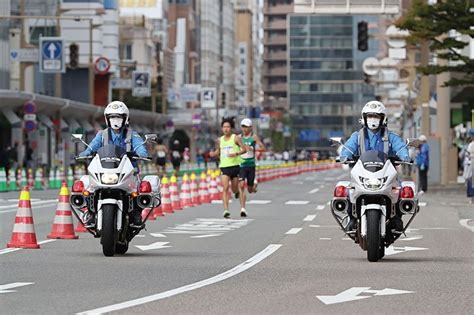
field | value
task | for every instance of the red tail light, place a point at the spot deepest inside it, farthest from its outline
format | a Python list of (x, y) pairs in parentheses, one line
[(407, 192), (340, 191), (78, 186), (145, 187)]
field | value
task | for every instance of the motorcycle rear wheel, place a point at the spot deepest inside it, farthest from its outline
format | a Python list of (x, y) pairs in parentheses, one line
[(373, 235), (109, 232)]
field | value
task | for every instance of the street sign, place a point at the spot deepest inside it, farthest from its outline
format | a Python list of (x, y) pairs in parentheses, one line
[(102, 65), (264, 121), (370, 66), (29, 107), (141, 84), (208, 97), (117, 83), (24, 55), (51, 55)]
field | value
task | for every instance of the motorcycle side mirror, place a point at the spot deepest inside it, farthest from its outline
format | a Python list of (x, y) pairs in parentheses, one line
[(336, 141), (77, 137), (151, 137)]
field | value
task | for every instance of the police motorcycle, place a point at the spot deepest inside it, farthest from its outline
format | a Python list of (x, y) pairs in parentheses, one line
[(110, 192), (374, 196)]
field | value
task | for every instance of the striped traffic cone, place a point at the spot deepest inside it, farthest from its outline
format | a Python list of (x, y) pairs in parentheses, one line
[(63, 228), (175, 203), (213, 192), (220, 189), (38, 178), (203, 192), (185, 194), (145, 214), (165, 196), (70, 177), (80, 228), (3, 180), (30, 179), (24, 235), (194, 190)]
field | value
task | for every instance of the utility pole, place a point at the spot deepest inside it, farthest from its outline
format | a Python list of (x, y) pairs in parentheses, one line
[(425, 91), (443, 116)]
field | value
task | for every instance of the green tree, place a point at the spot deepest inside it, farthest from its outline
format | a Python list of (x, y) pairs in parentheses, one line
[(433, 23)]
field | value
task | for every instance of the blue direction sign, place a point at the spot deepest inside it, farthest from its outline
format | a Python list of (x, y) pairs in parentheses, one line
[(52, 55)]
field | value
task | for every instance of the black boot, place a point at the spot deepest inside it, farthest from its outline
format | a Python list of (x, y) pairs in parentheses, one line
[(351, 225), (396, 224), (89, 220), (136, 219)]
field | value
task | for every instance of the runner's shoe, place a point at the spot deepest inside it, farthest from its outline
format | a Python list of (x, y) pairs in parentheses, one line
[(243, 213), (226, 214)]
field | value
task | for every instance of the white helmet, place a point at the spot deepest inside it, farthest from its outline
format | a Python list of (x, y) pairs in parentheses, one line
[(116, 115), (374, 107)]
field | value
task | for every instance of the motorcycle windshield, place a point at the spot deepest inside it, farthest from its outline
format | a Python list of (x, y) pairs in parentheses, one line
[(110, 155), (373, 161)]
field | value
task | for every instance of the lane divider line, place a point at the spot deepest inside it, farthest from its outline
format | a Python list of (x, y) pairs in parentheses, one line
[(10, 250), (313, 191), (309, 218), (293, 231), (270, 249)]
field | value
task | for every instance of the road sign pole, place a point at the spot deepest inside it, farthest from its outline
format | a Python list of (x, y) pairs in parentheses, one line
[(91, 65)]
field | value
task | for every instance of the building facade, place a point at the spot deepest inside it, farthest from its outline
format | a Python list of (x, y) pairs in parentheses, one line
[(326, 89)]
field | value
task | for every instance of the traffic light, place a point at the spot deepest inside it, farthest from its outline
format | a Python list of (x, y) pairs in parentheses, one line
[(362, 36), (223, 99), (73, 56)]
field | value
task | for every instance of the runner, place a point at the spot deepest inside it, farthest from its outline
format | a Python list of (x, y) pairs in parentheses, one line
[(229, 148), (160, 152), (247, 164), (176, 157)]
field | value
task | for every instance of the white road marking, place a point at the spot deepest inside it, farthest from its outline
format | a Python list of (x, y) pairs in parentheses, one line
[(157, 235), (140, 236), (207, 226), (293, 231), (320, 207), (313, 191), (270, 249), (347, 239), (411, 238), (309, 217), (422, 204), (352, 294), (157, 245), (324, 238), (258, 202), (323, 226), (206, 236), (5, 288), (10, 250), (298, 183), (297, 202), (328, 203), (465, 223), (391, 250), (219, 202)]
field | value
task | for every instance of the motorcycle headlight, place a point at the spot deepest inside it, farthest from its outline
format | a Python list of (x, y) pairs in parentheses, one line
[(108, 178), (373, 183)]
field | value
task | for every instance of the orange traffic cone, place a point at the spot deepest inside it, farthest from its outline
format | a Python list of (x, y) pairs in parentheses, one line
[(194, 191), (213, 188), (157, 212), (145, 214), (165, 196), (63, 228), (175, 203), (185, 195), (24, 235), (80, 228), (203, 192)]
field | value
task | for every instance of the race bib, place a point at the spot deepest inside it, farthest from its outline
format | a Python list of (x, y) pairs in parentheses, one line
[(249, 154), (161, 154), (227, 150), (176, 154)]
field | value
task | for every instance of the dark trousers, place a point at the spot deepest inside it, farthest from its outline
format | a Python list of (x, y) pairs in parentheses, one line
[(423, 179)]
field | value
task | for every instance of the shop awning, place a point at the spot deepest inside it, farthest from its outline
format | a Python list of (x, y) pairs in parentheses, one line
[(64, 126), (45, 120), (73, 124)]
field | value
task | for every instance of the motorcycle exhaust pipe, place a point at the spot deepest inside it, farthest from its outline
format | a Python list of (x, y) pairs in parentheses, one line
[(340, 205), (78, 201), (145, 201), (407, 206)]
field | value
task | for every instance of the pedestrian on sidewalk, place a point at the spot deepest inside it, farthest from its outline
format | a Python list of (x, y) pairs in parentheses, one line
[(423, 163), (469, 167)]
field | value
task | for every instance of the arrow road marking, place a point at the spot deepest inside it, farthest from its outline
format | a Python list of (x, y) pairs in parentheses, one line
[(310, 218), (352, 294), (294, 231), (320, 207), (296, 202), (5, 287), (397, 250), (258, 202), (157, 235), (157, 245), (465, 223), (206, 236)]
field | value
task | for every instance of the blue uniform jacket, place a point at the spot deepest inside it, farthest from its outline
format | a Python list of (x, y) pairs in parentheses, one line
[(423, 157), (119, 140), (375, 142)]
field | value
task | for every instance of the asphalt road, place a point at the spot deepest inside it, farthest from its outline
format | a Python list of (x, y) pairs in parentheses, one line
[(288, 256)]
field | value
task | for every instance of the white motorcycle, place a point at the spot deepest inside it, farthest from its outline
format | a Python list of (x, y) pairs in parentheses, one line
[(374, 197), (111, 192)]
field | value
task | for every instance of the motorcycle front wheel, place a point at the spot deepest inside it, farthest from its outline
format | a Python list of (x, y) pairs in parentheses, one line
[(373, 235), (109, 231)]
